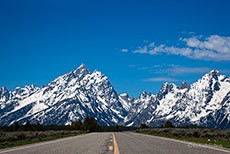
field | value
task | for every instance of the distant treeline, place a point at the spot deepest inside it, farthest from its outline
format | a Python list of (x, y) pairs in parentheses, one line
[(169, 124), (89, 125)]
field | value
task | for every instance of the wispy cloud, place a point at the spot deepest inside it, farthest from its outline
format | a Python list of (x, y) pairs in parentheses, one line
[(181, 70), (224, 71), (174, 69), (141, 50), (191, 32), (214, 48), (156, 66), (124, 50), (160, 79), (143, 68), (132, 65)]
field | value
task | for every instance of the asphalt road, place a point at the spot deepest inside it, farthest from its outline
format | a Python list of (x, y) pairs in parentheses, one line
[(95, 143), (107, 143), (133, 143)]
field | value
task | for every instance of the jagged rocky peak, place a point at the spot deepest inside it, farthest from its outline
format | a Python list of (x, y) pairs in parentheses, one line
[(183, 85), (143, 95), (212, 74), (3, 90), (97, 72), (99, 77), (31, 87), (82, 66), (28, 89), (18, 90), (77, 74), (207, 80), (131, 99), (125, 96), (165, 89), (215, 72), (81, 71)]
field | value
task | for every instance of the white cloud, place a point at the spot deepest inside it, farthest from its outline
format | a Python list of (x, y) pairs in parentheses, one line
[(152, 44), (214, 47), (220, 44), (141, 50), (160, 79), (157, 49), (124, 50), (192, 42)]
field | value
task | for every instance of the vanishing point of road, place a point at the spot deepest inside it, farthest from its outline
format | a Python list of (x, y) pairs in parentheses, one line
[(115, 143)]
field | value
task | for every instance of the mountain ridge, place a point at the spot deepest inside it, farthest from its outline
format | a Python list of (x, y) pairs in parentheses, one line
[(79, 93)]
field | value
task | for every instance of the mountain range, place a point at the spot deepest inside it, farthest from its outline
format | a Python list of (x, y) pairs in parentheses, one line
[(79, 93)]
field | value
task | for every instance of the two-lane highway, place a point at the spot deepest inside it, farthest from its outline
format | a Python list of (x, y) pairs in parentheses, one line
[(108, 143)]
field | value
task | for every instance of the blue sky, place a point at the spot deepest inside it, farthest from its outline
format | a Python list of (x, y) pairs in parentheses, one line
[(139, 45)]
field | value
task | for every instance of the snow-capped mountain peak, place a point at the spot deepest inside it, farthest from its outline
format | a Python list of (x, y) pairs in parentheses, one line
[(81, 71), (4, 94), (205, 102), (79, 93), (3, 90), (71, 96), (21, 93)]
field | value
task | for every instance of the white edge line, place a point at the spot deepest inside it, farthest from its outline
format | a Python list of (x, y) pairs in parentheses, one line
[(188, 143)]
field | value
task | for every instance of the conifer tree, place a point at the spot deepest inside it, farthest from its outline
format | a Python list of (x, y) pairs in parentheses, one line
[(142, 126), (16, 126), (168, 124), (38, 127), (79, 125), (28, 126)]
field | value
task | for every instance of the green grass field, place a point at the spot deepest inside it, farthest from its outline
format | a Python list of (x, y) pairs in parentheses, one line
[(219, 138)]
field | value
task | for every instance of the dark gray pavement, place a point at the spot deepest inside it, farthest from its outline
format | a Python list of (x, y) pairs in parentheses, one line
[(132, 143), (95, 143)]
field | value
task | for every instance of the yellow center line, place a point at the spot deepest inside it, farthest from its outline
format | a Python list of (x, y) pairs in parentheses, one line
[(110, 148), (115, 145)]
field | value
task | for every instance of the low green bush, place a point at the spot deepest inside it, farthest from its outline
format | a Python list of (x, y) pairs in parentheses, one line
[(8, 138)]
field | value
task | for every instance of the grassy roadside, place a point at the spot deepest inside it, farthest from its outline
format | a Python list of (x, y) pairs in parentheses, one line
[(36, 139), (211, 140)]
